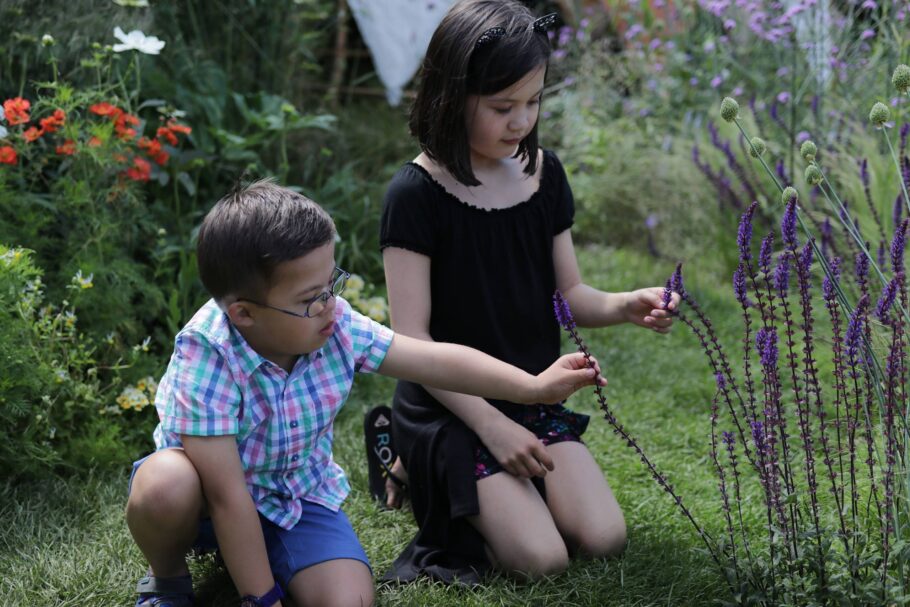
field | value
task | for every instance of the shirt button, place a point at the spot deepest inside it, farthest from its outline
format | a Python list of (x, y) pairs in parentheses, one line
[(294, 424)]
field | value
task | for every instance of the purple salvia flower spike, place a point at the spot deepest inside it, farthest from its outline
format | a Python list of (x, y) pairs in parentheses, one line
[(854, 334), (806, 257), (782, 274), (887, 299), (721, 382), (827, 283), (744, 234), (667, 295), (563, 312), (897, 211), (897, 247), (862, 267), (864, 172), (788, 225), (739, 284), (676, 280), (881, 254), (764, 255)]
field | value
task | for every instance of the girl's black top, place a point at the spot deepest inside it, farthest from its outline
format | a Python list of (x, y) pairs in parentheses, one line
[(492, 281)]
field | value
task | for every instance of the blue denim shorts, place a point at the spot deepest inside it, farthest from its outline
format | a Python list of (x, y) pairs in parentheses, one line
[(321, 535)]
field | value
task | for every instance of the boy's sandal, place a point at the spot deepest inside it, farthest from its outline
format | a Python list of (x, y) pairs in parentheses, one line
[(377, 433), (165, 592)]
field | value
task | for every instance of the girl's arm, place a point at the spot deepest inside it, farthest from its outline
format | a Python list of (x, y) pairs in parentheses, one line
[(516, 448), (232, 510), (594, 308)]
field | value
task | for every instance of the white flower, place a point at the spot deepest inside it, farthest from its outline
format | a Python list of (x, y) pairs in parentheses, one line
[(132, 3), (3, 131), (137, 41)]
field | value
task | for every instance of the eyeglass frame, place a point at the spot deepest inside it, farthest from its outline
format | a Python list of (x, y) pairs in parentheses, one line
[(342, 277)]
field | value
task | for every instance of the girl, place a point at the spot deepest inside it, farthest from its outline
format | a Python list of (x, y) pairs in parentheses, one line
[(475, 238)]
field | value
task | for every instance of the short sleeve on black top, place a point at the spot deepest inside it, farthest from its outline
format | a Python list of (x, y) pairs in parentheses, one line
[(492, 276)]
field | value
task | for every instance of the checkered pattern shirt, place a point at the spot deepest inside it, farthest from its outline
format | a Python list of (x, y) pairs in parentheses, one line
[(216, 384)]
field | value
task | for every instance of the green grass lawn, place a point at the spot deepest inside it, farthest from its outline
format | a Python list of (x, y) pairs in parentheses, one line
[(66, 541)]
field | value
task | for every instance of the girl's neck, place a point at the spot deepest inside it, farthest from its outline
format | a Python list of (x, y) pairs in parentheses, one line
[(503, 182)]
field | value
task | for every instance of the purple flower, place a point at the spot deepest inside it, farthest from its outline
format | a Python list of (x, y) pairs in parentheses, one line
[(867, 33), (864, 172), (783, 97), (887, 298), (897, 247), (716, 82), (744, 234), (721, 382), (782, 274), (898, 210), (693, 81), (788, 225), (727, 438), (758, 435), (805, 257), (766, 345), (802, 136), (563, 313), (739, 284), (854, 334), (869, 4), (827, 283), (764, 254), (676, 281), (862, 267)]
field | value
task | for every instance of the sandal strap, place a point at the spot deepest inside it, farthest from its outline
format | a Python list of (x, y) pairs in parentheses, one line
[(401, 484), (165, 585)]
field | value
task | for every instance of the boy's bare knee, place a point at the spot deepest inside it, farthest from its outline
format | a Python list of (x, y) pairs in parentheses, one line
[(169, 490)]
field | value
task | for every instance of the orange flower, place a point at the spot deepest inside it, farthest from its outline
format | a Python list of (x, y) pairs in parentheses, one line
[(121, 125), (16, 110), (8, 154), (165, 132), (178, 128), (152, 147), (32, 133), (67, 149), (140, 171), (106, 109), (94, 142), (161, 158), (53, 122)]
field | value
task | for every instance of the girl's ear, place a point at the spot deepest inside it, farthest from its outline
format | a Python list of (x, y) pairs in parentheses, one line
[(240, 313)]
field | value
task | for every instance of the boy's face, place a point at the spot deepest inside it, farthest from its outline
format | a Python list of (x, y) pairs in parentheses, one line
[(281, 337), (497, 123)]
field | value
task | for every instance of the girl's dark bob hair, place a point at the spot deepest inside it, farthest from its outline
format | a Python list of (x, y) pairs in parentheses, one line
[(455, 67)]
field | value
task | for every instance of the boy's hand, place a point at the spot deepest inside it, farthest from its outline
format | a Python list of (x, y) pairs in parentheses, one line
[(564, 377), (645, 308)]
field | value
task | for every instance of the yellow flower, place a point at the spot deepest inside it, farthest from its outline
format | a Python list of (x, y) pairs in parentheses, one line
[(376, 308)]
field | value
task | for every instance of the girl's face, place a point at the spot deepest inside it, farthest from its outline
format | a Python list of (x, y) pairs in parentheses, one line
[(497, 123)]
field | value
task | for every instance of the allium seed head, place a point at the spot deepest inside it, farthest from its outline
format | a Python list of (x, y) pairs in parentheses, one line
[(901, 78), (808, 150), (729, 109), (758, 147), (813, 175), (880, 114), (788, 193)]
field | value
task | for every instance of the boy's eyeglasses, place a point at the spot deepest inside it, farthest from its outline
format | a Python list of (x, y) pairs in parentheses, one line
[(314, 306)]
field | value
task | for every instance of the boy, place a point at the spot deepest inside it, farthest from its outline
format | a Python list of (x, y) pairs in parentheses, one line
[(247, 404)]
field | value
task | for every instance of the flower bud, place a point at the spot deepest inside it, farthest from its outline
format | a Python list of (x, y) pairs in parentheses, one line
[(880, 114), (901, 78), (729, 109), (813, 175), (788, 193), (758, 147), (47, 40), (808, 150)]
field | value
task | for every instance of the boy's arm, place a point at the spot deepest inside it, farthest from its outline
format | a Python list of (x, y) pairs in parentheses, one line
[(464, 369), (594, 308), (233, 512)]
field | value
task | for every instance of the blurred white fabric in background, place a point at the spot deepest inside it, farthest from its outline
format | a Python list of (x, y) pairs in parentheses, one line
[(397, 32)]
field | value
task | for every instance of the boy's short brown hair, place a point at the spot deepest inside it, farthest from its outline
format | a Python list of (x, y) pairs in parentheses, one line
[(253, 229)]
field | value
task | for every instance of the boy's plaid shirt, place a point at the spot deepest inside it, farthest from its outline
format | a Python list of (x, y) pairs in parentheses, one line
[(215, 384)]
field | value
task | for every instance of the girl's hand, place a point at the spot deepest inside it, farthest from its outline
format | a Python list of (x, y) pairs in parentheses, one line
[(516, 448), (563, 378), (645, 308)]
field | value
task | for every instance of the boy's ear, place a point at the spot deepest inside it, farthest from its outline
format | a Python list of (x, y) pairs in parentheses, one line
[(240, 314)]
